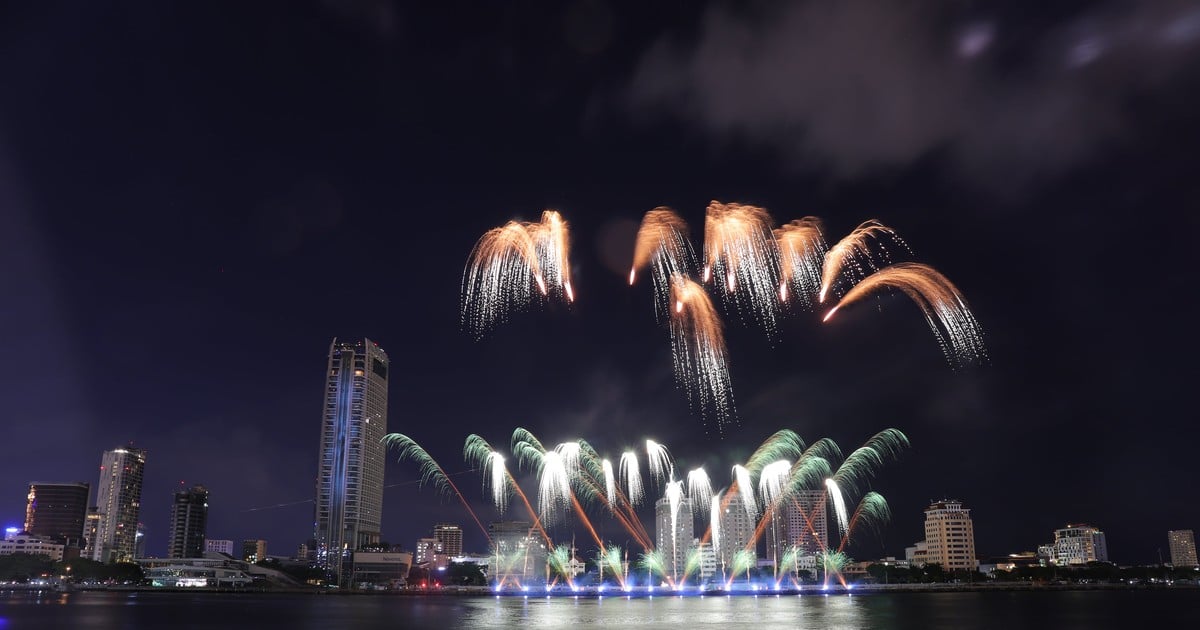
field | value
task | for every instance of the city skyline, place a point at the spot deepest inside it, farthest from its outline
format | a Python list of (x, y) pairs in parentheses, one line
[(180, 257)]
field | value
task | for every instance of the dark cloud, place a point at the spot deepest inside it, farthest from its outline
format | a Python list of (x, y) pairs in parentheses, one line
[(853, 85)]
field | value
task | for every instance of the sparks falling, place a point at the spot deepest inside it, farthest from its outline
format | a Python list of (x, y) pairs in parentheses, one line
[(663, 247), (865, 249), (945, 309), (740, 253), (700, 490), (658, 460), (698, 345), (801, 245), (632, 477)]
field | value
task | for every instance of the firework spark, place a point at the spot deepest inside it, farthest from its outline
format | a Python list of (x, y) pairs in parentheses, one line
[(698, 345), (801, 245), (714, 528), (839, 505), (658, 460), (739, 248), (480, 454), (554, 485), (552, 240), (699, 489), (632, 477), (945, 309), (610, 483), (772, 481), (662, 235), (854, 254), (746, 487)]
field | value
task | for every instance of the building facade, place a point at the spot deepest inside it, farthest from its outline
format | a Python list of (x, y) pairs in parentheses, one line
[(950, 536), (451, 537), (24, 542), (673, 530), (735, 530), (349, 501), (1183, 548), (427, 551), (58, 512), (1079, 544), (118, 504), (218, 546), (189, 520), (518, 554), (254, 550)]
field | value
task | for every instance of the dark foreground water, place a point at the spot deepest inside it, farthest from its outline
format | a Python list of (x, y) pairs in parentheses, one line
[(1008, 610)]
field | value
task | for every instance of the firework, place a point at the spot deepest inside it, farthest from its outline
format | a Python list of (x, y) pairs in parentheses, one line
[(872, 510), (559, 562), (569, 452), (862, 463), (743, 561), (479, 454), (554, 486), (658, 460), (801, 246), (740, 250), (698, 345), (662, 236), (610, 483), (632, 477), (653, 563), (552, 242), (772, 481), (699, 489), (854, 254), (431, 471), (839, 505), (783, 444), (945, 309), (714, 528), (741, 476)]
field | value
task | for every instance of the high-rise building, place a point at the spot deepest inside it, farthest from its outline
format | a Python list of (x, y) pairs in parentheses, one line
[(349, 502), (518, 553), (427, 550), (254, 550), (674, 530), (451, 537), (799, 522), (189, 518), (218, 546), (57, 512), (91, 531), (139, 541), (1079, 544), (950, 536), (736, 530), (1183, 548), (118, 503)]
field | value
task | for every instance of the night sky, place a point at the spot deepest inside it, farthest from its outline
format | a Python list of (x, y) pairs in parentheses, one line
[(195, 198)]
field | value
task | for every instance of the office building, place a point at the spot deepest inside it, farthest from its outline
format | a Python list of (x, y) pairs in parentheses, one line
[(139, 541), (674, 530), (1183, 548), (349, 501), (218, 546), (24, 542), (57, 512), (254, 550), (1079, 544), (427, 551), (189, 518), (118, 504), (451, 537), (950, 536)]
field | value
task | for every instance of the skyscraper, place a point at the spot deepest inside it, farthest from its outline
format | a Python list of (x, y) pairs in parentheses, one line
[(950, 536), (1183, 548), (799, 522), (57, 511), (189, 518), (674, 530), (118, 501), (451, 537), (736, 529), (349, 501)]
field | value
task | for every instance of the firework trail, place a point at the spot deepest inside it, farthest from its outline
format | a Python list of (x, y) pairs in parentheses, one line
[(505, 265), (632, 477), (653, 563), (839, 505), (714, 527), (554, 485), (480, 455), (553, 241), (741, 477), (610, 483), (698, 347), (872, 510), (855, 255), (945, 309), (658, 460), (699, 489), (783, 444), (569, 452), (861, 465), (430, 471), (740, 250), (801, 246), (772, 482), (662, 235)]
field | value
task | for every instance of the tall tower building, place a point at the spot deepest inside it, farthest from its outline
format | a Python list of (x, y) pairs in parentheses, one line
[(736, 529), (189, 518), (800, 522), (950, 536), (674, 531), (118, 502), (57, 511), (451, 537), (349, 501), (1079, 544), (1183, 548)]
